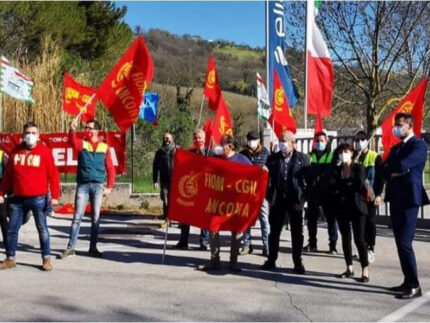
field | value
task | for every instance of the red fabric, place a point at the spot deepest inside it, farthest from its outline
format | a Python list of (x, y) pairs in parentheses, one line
[(65, 157), (122, 90), (77, 144), (413, 103), (318, 128), (207, 128), (212, 90), (31, 172), (215, 194), (223, 123), (281, 118), (76, 96), (69, 208), (320, 85)]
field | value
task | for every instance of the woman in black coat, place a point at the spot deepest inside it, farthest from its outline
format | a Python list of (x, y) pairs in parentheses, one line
[(347, 190)]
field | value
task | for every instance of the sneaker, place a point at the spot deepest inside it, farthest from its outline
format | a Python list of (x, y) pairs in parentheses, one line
[(235, 267), (246, 250), (309, 248), (299, 269), (93, 252), (47, 266), (212, 265), (371, 256), (180, 246), (8, 263), (269, 265), (67, 253), (203, 247), (51, 214)]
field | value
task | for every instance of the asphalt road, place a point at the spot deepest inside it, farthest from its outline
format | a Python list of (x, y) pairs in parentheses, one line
[(131, 284)]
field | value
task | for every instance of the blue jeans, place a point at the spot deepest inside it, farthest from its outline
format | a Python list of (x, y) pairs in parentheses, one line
[(17, 208), (265, 228), (84, 192)]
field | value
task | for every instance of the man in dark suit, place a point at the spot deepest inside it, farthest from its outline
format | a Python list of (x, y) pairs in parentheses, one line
[(285, 194), (403, 171)]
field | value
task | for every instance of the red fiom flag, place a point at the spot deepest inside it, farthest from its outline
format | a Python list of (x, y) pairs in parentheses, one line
[(223, 123), (212, 90), (318, 128), (281, 116), (413, 103), (207, 128), (215, 194), (76, 96), (122, 90)]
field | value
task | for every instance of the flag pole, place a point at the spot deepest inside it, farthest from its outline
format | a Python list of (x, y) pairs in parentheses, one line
[(268, 70), (307, 39), (201, 109), (132, 157), (165, 244), (1, 112)]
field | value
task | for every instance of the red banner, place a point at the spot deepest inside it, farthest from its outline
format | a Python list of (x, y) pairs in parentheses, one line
[(215, 194), (412, 103), (76, 96), (65, 157), (223, 122), (283, 118), (122, 90), (212, 90)]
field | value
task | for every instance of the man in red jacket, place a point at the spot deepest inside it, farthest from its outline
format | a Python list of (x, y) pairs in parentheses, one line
[(30, 175)]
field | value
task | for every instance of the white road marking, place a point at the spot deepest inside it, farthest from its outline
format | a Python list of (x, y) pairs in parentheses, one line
[(408, 308)]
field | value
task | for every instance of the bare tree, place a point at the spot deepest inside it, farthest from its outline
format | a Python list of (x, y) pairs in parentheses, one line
[(380, 51)]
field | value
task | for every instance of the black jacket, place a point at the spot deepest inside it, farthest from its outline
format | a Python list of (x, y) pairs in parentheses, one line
[(163, 165), (337, 193), (300, 163)]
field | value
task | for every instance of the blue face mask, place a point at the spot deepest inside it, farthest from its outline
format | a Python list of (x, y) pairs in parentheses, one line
[(321, 146), (398, 131)]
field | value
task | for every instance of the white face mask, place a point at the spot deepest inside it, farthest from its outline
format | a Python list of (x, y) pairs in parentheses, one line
[(398, 131), (345, 158), (283, 146), (253, 144), (360, 145), (30, 139), (218, 150)]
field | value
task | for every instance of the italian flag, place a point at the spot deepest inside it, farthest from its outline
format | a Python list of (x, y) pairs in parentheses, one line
[(319, 66)]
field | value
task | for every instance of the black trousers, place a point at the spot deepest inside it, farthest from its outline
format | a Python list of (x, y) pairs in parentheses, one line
[(371, 227), (3, 221), (312, 214), (277, 215), (358, 221)]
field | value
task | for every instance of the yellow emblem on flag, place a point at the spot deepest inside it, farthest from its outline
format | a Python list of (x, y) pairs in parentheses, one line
[(211, 79), (187, 185), (405, 108), (279, 99)]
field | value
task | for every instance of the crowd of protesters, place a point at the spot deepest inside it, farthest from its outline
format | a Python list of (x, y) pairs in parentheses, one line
[(344, 186)]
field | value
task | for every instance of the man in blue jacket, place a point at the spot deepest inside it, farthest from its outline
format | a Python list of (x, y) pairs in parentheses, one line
[(403, 171)]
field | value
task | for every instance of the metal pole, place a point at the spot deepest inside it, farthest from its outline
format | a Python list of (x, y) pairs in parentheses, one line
[(308, 26), (132, 157), (165, 244), (268, 85)]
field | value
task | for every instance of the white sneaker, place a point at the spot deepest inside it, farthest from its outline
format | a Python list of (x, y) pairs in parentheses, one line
[(371, 256)]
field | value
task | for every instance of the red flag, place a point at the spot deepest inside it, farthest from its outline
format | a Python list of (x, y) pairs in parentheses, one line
[(76, 96), (69, 208), (215, 194), (413, 103), (122, 90), (223, 123), (318, 128), (281, 116), (207, 128), (212, 90)]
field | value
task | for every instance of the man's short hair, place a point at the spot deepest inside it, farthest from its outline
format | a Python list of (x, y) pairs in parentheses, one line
[(361, 135), (344, 146), (29, 124), (97, 125), (289, 134), (227, 140), (407, 117), (320, 133), (199, 131)]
